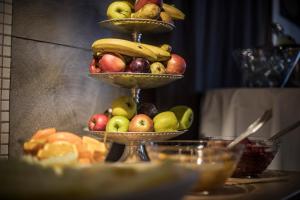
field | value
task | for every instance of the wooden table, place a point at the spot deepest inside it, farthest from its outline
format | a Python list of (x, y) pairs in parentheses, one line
[(274, 185)]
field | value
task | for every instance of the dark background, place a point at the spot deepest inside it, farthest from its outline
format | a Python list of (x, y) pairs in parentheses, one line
[(290, 9), (51, 43)]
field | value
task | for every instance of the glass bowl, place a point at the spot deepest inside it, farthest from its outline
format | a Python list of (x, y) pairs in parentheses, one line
[(214, 163), (257, 155)]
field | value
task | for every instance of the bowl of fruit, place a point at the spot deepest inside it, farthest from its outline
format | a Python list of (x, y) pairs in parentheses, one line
[(257, 155), (142, 15), (125, 116), (135, 65), (212, 161), (132, 124)]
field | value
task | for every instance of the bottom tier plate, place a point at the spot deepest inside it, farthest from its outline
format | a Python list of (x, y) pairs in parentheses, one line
[(136, 137)]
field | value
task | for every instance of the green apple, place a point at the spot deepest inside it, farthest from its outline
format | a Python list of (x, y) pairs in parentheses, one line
[(117, 124), (124, 106), (165, 122), (157, 68), (184, 115), (119, 10)]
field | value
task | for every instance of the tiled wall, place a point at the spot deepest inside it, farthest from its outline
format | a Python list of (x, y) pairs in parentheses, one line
[(5, 63)]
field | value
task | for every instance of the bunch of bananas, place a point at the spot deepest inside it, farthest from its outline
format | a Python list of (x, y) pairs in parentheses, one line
[(119, 55), (132, 49)]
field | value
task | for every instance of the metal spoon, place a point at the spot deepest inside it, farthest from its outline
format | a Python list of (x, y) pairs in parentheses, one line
[(252, 128), (284, 131), (290, 70)]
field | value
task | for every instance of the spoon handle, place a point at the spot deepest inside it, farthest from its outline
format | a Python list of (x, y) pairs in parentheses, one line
[(284, 131), (252, 128)]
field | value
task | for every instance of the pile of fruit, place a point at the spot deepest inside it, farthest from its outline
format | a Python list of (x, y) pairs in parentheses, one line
[(145, 9), (52, 148), (126, 117), (118, 55)]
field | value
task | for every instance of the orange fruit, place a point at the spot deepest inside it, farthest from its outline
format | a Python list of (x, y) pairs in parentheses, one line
[(43, 133), (98, 149), (98, 156), (33, 146), (85, 161), (57, 149), (84, 153), (93, 145), (66, 136)]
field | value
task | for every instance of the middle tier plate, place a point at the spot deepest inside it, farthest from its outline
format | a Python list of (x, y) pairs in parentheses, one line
[(136, 80), (136, 137)]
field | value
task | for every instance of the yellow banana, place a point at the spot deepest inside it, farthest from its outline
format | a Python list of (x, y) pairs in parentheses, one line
[(174, 12), (124, 47), (166, 47), (161, 54)]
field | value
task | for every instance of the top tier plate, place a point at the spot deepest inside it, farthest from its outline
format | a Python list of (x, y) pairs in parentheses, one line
[(130, 25)]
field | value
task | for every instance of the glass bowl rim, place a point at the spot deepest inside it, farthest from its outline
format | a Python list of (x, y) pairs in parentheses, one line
[(267, 143), (189, 143)]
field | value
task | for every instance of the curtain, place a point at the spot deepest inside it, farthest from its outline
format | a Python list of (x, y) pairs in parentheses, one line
[(206, 39)]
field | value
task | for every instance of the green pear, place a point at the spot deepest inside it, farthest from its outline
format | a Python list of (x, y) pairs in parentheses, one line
[(165, 122), (157, 68), (184, 115), (117, 124), (148, 11), (124, 106)]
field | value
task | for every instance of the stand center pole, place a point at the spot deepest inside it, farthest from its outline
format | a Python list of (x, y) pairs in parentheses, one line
[(136, 36)]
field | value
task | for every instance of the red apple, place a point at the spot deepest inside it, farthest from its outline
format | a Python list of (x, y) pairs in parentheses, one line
[(140, 3), (176, 65), (141, 123), (98, 122), (94, 66), (112, 63)]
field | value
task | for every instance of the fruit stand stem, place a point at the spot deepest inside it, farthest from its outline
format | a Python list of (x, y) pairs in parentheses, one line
[(134, 153), (136, 94), (136, 36)]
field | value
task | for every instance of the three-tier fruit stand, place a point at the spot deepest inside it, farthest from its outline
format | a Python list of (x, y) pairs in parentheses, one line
[(134, 141)]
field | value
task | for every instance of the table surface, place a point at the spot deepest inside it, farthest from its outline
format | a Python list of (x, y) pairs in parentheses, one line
[(275, 185)]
